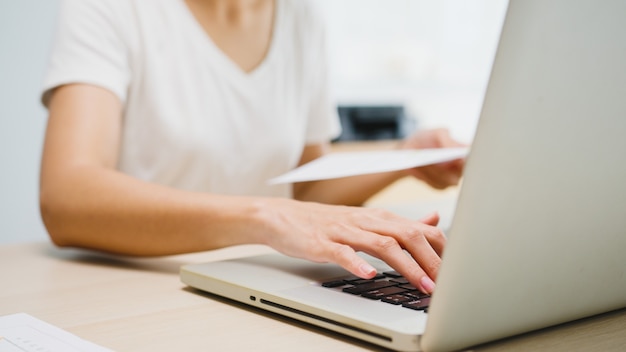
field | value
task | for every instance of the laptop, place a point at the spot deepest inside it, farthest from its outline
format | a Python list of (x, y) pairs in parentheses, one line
[(538, 235)]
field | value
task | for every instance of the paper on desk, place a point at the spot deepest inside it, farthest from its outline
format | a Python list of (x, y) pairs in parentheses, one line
[(342, 164), (24, 333)]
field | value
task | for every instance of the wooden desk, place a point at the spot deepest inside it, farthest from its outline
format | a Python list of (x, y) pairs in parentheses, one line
[(140, 305)]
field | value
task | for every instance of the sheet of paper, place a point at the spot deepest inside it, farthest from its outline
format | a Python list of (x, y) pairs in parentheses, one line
[(344, 164), (24, 333)]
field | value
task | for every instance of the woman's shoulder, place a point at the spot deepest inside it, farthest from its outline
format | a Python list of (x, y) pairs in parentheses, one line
[(118, 12), (125, 21), (95, 7), (306, 12), (91, 16)]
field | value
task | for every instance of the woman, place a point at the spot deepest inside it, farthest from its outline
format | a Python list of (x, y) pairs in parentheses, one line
[(167, 117)]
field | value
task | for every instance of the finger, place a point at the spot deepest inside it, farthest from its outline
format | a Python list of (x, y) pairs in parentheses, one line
[(445, 139), (449, 173), (388, 249), (437, 239), (409, 232), (431, 219), (424, 244), (385, 235), (445, 174), (434, 178), (455, 166), (346, 257)]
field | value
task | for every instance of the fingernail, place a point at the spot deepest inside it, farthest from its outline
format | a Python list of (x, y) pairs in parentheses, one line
[(367, 269), (427, 284)]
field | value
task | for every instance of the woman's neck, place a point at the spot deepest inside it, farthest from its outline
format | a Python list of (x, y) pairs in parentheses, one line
[(234, 12), (241, 29)]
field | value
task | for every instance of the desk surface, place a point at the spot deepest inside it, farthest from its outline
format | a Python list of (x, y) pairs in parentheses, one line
[(129, 304), (140, 305)]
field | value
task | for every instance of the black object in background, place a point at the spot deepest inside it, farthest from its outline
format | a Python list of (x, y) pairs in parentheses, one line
[(362, 123)]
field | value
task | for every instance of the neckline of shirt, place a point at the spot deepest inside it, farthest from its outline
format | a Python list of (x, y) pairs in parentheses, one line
[(216, 51)]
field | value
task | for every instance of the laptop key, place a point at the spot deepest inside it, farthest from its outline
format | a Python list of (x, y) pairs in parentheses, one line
[(400, 281), (385, 291), (375, 285), (334, 283), (389, 287), (409, 287), (416, 295), (361, 282), (353, 278), (396, 299), (392, 273), (421, 304)]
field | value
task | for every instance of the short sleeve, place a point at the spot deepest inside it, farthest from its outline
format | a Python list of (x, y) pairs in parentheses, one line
[(90, 47)]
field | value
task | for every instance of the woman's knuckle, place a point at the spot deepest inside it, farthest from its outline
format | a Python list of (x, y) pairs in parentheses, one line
[(339, 251), (413, 234), (433, 265), (386, 242), (437, 234)]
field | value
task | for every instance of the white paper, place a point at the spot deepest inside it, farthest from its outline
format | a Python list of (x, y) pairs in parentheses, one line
[(344, 164), (24, 333)]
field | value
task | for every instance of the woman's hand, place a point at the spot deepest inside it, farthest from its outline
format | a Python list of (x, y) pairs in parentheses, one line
[(330, 233), (441, 175)]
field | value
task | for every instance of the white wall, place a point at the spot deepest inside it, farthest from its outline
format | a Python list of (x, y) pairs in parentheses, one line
[(25, 32), (432, 56)]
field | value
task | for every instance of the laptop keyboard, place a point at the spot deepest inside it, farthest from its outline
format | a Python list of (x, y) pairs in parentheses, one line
[(389, 287)]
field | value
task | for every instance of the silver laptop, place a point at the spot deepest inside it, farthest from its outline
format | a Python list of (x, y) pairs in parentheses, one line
[(538, 236)]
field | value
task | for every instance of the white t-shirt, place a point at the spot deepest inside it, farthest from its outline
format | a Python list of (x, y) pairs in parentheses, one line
[(192, 118)]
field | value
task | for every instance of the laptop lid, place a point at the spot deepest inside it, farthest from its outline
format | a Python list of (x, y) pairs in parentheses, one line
[(538, 232)]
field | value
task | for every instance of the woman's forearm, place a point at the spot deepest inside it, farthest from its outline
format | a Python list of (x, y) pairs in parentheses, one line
[(86, 202), (355, 190), (96, 208)]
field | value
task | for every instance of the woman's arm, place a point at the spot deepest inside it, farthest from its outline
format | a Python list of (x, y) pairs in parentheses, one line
[(356, 190), (353, 190), (86, 202)]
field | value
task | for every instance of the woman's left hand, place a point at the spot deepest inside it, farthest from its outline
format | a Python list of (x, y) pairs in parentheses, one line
[(441, 175)]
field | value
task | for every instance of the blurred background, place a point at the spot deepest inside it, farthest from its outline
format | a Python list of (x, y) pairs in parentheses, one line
[(396, 65)]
